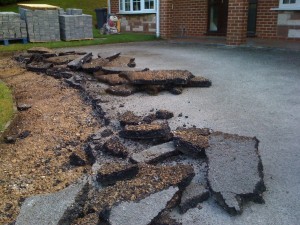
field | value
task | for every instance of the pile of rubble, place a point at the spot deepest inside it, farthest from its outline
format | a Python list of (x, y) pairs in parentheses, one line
[(142, 171), (117, 71)]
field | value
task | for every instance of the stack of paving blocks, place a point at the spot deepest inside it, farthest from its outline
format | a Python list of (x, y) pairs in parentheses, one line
[(75, 26), (11, 26), (42, 25)]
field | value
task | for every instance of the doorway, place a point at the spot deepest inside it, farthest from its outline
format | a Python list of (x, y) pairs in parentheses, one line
[(217, 17)]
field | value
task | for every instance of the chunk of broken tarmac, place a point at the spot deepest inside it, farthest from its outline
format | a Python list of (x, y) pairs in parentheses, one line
[(76, 160), (152, 89), (176, 90), (23, 106), (129, 118), (149, 118), (79, 61), (60, 71), (110, 173), (71, 53), (23, 57), (192, 196), (57, 208), (191, 141), (112, 79), (164, 114), (60, 60), (150, 179), (165, 219), (235, 171), (119, 69), (109, 57), (74, 82), (142, 212), (38, 67), (159, 77), (114, 147), (121, 90), (155, 153), (146, 131), (94, 65), (198, 82), (121, 61)]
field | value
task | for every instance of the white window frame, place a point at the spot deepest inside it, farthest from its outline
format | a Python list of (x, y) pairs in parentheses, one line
[(289, 6), (131, 11)]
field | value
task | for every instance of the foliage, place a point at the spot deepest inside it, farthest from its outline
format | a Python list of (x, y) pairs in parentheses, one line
[(6, 105), (7, 2)]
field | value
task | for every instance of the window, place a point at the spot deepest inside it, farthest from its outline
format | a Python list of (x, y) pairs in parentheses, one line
[(289, 4), (137, 6), (289, 1)]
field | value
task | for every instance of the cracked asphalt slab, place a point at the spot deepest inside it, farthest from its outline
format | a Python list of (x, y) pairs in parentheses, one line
[(254, 92)]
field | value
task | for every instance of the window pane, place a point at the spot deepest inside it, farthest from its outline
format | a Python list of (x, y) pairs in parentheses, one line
[(149, 4), (289, 1), (136, 5), (121, 5), (127, 5)]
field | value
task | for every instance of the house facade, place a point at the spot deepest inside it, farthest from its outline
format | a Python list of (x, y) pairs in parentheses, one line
[(235, 19)]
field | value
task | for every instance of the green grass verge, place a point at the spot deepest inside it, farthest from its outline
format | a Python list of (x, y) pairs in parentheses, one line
[(98, 40), (6, 105), (88, 6)]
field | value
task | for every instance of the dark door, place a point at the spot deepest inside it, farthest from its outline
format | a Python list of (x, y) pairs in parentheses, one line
[(252, 12), (217, 17)]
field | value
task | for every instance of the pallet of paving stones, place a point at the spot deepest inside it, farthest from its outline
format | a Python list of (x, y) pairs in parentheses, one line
[(42, 25), (12, 27), (75, 26)]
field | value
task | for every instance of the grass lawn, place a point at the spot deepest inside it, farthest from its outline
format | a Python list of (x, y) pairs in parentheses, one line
[(98, 40), (6, 105)]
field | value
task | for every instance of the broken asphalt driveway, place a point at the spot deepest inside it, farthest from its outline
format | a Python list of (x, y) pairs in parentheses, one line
[(165, 133), (254, 92)]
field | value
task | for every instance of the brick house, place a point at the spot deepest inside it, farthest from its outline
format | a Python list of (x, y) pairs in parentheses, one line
[(235, 19)]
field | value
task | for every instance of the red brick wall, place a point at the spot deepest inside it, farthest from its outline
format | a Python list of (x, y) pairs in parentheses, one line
[(189, 17), (114, 4), (166, 18), (266, 22), (237, 22)]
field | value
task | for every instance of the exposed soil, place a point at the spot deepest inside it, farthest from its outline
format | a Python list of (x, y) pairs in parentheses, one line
[(58, 124)]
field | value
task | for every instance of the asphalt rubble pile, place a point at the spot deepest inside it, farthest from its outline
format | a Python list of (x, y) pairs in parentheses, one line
[(142, 171)]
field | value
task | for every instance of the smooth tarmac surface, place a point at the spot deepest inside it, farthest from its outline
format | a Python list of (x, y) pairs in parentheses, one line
[(254, 92)]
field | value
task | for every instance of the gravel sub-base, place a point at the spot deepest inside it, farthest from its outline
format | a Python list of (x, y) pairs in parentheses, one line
[(39, 163)]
